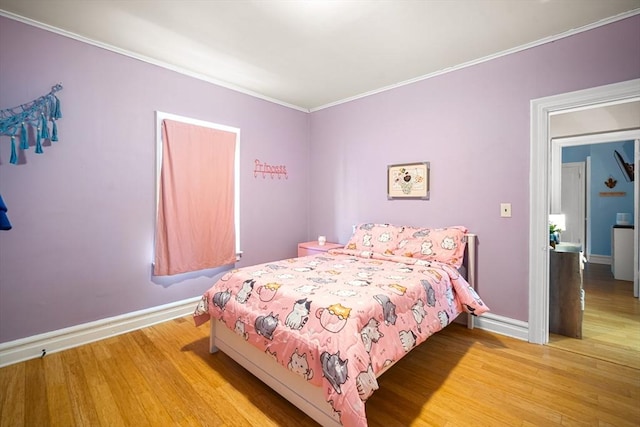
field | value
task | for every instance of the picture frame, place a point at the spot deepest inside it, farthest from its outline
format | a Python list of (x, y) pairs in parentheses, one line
[(408, 181)]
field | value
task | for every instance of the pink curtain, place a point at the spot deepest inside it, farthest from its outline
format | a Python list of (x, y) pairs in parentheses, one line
[(195, 225)]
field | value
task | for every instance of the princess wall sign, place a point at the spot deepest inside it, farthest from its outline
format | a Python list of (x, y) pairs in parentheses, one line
[(265, 170)]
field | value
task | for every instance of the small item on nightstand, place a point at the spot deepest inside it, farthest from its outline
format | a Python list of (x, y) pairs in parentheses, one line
[(314, 247), (322, 240)]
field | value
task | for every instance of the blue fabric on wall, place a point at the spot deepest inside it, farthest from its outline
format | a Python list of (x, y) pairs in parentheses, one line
[(4, 219)]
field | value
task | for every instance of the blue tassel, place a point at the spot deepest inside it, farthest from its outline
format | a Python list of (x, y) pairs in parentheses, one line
[(57, 113), (54, 132), (38, 142), (14, 154), (24, 145), (45, 128)]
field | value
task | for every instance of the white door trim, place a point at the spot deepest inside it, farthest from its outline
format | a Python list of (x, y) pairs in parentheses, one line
[(581, 168), (539, 191), (636, 232)]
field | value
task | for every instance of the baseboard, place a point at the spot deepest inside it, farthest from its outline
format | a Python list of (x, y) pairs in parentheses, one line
[(503, 326), (32, 347), (599, 259)]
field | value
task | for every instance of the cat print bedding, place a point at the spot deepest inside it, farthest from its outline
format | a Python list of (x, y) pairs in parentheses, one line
[(340, 318)]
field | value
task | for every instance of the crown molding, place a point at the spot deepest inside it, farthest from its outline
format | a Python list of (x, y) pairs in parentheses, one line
[(235, 88)]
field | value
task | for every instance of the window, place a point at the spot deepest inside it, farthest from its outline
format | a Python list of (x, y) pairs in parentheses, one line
[(197, 195)]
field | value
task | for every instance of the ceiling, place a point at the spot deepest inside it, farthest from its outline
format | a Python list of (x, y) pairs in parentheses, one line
[(310, 54)]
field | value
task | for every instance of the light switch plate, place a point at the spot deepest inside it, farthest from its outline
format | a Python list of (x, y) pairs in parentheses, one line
[(505, 210)]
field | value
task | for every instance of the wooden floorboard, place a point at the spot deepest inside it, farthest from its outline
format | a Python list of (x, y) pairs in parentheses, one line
[(611, 323), (164, 376)]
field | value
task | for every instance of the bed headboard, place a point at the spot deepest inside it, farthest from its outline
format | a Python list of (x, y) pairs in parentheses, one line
[(471, 268)]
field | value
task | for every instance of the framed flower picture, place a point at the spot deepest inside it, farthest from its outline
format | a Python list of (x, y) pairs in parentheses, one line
[(408, 181)]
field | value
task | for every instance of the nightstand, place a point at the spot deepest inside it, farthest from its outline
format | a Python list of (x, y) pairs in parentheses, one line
[(313, 248)]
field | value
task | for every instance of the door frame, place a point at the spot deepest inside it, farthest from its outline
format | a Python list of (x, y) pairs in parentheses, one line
[(541, 150)]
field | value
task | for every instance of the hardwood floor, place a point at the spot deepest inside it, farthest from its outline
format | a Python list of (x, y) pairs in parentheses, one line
[(611, 322), (164, 376)]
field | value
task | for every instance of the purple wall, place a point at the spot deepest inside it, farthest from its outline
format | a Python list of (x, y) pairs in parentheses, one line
[(473, 126), (83, 212)]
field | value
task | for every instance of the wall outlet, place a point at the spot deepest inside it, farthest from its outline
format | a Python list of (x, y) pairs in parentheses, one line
[(505, 210)]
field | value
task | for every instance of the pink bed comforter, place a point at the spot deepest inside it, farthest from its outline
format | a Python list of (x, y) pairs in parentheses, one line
[(338, 319)]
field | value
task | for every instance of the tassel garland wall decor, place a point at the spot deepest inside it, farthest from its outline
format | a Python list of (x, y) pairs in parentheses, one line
[(36, 114)]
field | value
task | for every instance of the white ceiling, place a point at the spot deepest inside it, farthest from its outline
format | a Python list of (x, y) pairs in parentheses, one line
[(314, 53)]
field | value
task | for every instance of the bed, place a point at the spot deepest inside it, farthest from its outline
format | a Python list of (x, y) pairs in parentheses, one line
[(321, 329)]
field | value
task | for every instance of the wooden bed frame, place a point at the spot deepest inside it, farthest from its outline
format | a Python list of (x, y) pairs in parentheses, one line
[(308, 398)]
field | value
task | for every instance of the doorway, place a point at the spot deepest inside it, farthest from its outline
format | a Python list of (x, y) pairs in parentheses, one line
[(542, 152), (608, 322), (581, 226)]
